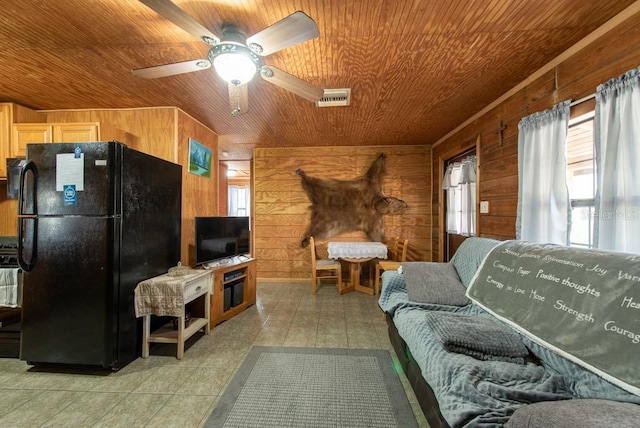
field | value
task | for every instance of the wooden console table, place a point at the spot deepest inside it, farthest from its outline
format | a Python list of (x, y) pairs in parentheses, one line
[(166, 295)]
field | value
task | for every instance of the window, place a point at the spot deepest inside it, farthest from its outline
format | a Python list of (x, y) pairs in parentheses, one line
[(581, 179), (238, 201), (578, 180)]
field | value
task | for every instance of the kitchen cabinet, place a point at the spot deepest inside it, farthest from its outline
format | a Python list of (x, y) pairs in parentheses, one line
[(76, 132), (25, 133)]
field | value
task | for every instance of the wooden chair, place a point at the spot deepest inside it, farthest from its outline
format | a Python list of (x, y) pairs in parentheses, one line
[(398, 254), (323, 266)]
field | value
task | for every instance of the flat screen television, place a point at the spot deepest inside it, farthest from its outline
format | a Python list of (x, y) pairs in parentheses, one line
[(220, 238)]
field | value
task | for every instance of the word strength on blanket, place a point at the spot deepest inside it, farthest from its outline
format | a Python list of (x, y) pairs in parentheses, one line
[(559, 305)]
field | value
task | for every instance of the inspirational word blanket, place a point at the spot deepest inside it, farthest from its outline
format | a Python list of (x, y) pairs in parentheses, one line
[(582, 304)]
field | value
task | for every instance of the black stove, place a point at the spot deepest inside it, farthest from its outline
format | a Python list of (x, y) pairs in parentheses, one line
[(10, 318), (8, 251)]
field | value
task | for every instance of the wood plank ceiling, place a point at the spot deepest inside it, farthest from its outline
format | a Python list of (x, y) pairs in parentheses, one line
[(416, 68)]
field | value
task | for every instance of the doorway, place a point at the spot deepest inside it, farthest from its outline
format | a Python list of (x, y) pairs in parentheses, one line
[(235, 188), (459, 196)]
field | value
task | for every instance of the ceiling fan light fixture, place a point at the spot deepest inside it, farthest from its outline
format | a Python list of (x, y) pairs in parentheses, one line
[(235, 57), (234, 63)]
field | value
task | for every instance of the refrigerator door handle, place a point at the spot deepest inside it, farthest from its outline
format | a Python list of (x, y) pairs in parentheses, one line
[(27, 266), (22, 203), (24, 217)]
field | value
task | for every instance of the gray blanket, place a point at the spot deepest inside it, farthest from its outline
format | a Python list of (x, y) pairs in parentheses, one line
[(478, 337), (580, 303)]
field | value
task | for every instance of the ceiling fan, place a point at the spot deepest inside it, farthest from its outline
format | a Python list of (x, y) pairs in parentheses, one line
[(236, 58)]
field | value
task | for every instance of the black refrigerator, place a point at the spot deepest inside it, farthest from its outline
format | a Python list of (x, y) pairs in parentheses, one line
[(94, 219)]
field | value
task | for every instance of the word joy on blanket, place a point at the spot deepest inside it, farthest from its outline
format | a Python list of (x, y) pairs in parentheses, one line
[(583, 304)]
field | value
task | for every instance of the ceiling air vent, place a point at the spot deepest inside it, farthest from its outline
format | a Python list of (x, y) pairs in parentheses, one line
[(335, 97)]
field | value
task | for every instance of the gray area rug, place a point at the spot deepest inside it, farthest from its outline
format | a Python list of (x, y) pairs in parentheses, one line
[(314, 387)]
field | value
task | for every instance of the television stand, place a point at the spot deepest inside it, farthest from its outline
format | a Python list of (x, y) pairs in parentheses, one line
[(234, 289)]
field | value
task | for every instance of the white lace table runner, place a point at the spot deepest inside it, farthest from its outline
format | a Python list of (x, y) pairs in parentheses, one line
[(357, 250)]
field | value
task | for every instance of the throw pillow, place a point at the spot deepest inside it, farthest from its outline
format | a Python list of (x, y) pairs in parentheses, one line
[(583, 413), (434, 283)]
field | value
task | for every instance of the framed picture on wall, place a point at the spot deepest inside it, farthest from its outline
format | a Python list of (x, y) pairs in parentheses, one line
[(199, 159)]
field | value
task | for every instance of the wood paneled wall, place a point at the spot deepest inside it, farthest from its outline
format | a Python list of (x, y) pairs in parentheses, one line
[(223, 189), (574, 77), (149, 130), (23, 114), (8, 213), (163, 132), (200, 194), (281, 207)]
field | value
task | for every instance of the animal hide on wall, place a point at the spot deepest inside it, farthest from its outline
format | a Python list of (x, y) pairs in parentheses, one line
[(340, 206)]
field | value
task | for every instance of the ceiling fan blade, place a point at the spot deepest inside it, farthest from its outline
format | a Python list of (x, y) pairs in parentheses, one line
[(171, 69), (291, 83), (238, 99), (295, 28), (171, 11)]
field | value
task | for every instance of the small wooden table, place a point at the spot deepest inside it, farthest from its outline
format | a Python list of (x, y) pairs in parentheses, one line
[(356, 253), (171, 289)]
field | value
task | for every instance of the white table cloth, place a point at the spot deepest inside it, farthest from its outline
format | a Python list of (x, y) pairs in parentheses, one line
[(357, 250)]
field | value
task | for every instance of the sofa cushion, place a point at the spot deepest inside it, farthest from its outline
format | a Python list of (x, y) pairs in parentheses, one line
[(576, 413), (469, 255), (436, 283)]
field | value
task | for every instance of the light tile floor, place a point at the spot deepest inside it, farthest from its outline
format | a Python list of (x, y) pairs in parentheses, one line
[(161, 391)]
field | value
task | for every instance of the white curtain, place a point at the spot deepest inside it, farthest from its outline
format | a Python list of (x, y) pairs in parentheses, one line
[(617, 139), (238, 201), (460, 184), (544, 213)]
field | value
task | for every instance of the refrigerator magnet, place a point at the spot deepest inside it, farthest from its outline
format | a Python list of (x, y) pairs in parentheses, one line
[(69, 192)]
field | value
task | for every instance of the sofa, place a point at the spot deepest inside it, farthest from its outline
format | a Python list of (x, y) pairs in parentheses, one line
[(472, 363)]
